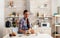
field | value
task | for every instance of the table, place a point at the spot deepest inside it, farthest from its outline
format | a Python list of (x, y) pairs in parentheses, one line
[(30, 36)]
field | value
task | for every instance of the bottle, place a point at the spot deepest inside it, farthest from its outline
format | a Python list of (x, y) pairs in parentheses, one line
[(14, 22)]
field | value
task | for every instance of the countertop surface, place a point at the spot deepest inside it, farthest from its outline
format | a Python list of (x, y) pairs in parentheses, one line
[(29, 36)]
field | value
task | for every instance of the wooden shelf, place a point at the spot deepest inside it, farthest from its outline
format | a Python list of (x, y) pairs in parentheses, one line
[(57, 34), (57, 25), (12, 17), (57, 15)]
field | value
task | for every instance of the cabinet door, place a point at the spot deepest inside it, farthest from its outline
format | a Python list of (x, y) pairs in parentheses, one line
[(45, 30)]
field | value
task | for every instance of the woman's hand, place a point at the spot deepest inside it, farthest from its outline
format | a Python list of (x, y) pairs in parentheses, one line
[(22, 31), (31, 31)]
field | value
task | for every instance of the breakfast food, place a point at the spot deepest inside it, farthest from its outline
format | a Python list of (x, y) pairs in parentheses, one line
[(32, 31), (13, 34)]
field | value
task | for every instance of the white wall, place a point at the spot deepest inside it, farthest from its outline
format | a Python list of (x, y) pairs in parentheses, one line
[(1, 17), (19, 7), (28, 5), (38, 6), (58, 2), (54, 6)]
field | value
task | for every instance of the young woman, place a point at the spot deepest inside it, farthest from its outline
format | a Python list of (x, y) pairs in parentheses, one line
[(24, 24)]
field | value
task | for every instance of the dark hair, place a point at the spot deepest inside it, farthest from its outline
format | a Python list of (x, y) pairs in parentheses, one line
[(25, 11)]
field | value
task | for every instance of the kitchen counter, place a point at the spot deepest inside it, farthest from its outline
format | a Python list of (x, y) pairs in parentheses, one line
[(30, 36), (43, 32)]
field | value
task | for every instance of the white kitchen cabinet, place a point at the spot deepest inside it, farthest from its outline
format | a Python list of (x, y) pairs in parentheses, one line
[(45, 30)]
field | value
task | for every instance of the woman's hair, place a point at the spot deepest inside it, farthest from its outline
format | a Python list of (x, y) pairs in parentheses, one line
[(25, 11)]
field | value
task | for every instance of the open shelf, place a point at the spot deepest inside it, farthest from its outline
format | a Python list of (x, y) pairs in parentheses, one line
[(13, 17), (57, 15), (57, 25), (57, 34)]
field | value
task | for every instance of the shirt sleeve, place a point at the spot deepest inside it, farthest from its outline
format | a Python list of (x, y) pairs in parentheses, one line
[(20, 24)]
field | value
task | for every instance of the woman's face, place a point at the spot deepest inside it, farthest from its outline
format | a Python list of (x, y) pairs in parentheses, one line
[(26, 15)]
